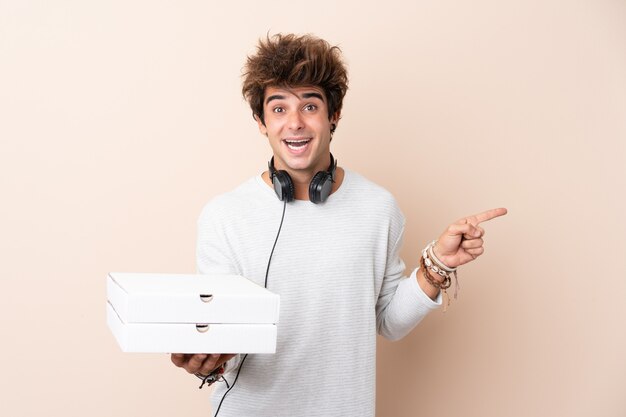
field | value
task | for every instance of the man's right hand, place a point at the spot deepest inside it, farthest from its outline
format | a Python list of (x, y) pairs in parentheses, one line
[(200, 363)]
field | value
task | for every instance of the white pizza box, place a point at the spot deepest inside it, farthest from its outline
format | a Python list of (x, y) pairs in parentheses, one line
[(181, 313), (190, 298), (191, 338)]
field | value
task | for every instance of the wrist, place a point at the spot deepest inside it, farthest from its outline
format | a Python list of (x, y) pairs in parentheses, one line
[(212, 377), (435, 280), (435, 273), (432, 291)]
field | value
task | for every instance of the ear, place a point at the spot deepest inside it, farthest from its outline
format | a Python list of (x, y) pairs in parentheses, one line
[(333, 123), (262, 127)]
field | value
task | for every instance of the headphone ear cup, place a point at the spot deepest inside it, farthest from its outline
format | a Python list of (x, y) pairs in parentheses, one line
[(320, 187), (283, 185)]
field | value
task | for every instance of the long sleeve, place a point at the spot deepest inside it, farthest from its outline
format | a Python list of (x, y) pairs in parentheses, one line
[(214, 255), (401, 303)]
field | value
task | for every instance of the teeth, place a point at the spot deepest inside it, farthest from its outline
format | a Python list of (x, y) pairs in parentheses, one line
[(296, 144)]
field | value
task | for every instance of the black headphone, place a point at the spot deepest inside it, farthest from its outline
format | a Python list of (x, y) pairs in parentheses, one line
[(319, 189)]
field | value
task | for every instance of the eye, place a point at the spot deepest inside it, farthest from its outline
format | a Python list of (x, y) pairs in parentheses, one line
[(310, 107), (278, 110)]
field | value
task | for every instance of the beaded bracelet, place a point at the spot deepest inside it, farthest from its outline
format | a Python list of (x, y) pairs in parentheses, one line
[(429, 261), (442, 285), (431, 265)]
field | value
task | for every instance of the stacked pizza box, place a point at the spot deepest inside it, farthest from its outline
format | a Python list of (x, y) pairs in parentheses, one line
[(178, 313)]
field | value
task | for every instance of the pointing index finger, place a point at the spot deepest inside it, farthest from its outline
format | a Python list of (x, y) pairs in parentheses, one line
[(488, 215)]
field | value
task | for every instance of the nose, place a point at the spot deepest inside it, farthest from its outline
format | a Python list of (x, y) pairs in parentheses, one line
[(295, 121)]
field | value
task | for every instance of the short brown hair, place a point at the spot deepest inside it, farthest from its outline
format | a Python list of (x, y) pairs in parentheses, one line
[(295, 61)]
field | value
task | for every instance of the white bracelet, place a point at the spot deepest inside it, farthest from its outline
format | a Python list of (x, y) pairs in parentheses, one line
[(436, 260), (431, 265)]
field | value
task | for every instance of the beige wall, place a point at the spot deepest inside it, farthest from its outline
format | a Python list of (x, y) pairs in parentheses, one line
[(118, 120)]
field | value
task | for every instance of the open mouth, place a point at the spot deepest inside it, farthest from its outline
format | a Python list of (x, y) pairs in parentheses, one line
[(296, 144)]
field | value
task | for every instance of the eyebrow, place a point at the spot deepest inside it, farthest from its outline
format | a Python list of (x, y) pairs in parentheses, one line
[(274, 97), (304, 95), (309, 95)]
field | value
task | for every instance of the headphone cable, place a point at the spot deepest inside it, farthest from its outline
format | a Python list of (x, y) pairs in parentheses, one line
[(269, 261), (267, 271)]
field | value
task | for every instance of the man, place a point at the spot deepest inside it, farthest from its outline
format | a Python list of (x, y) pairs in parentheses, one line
[(336, 263)]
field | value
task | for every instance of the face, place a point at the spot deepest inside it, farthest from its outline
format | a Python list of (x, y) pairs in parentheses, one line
[(298, 129)]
